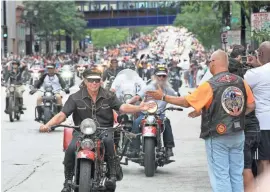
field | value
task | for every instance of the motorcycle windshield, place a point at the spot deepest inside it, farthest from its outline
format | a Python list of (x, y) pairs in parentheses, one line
[(127, 82)]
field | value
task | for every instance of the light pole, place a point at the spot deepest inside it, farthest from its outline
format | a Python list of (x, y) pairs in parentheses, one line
[(30, 14)]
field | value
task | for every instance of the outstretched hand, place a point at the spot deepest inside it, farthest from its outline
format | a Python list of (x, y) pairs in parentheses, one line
[(158, 94), (146, 106), (194, 114)]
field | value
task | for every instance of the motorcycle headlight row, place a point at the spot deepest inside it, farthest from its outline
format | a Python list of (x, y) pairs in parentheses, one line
[(48, 94), (11, 89), (88, 126), (87, 144)]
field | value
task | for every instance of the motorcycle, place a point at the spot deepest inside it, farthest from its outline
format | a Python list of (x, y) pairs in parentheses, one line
[(90, 170), (14, 103), (49, 107), (152, 153), (35, 75), (80, 70), (67, 75), (126, 84)]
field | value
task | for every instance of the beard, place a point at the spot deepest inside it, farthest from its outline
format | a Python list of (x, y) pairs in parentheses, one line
[(163, 84)]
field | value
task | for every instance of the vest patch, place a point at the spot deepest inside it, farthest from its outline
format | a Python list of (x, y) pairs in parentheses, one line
[(227, 78), (221, 128), (233, 101)]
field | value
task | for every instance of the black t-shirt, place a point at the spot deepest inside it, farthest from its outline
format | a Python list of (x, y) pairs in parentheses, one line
[(81, 106)]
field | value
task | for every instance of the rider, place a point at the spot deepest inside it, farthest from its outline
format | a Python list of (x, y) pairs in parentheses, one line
[(144, 72), (92, 101), (176, 69), (16, 77), (160, 79), (112, 71), (57, 83)]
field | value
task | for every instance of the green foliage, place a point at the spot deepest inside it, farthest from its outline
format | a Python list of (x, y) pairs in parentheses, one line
[(199, 18), (113, 36), (53, 16)]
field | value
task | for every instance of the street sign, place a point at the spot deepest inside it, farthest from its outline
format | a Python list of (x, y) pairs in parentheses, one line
[(234, 37), (234, 20), (260, 21)]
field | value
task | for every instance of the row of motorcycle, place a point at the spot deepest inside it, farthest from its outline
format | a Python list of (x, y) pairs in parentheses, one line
[(90, 167)]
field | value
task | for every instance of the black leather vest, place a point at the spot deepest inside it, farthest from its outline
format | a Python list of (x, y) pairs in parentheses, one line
[(228, 93)]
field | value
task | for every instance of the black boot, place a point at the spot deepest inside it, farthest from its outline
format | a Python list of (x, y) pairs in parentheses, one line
[(169, 152), (68, 180), (111, 182), (7, 104), (39, 113), (20, 99)]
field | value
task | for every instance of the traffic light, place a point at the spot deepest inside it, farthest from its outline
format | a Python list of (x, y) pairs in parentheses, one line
[(5, 32), (57, 47), (36, 48)]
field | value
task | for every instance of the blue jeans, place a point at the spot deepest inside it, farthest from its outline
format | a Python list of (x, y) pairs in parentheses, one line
[(226, 162), (167, 134)]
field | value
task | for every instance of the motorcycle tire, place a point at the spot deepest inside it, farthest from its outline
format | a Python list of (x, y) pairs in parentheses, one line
[(18, 116), (11, 111), (149, 157), (85, 180), (47, 115)]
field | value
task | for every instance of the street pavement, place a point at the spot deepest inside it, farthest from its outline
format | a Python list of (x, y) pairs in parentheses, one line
[(32, 162)]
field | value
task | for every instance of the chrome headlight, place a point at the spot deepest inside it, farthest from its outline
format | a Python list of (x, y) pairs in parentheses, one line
[(154, 108), (88, 126), (87, 144), (36, 74), (11, 89), (48, 94), (150, 119), (47, 104), (66, 74)]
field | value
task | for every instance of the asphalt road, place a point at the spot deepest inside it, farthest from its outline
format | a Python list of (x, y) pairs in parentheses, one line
[(32, 162)]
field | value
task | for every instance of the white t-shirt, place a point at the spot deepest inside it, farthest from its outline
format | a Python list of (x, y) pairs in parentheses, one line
[(259, 81)]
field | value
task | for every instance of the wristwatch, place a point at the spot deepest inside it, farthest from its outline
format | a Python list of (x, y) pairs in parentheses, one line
[(163, 97)]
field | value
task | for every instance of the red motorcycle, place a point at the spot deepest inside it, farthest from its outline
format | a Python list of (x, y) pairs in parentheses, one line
[(90, 170), (152, 153)]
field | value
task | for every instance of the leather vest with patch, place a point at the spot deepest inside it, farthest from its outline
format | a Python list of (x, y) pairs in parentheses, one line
[(229, 94)]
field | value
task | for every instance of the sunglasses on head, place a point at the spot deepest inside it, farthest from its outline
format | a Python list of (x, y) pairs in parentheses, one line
[(93, 80), (164, 76)]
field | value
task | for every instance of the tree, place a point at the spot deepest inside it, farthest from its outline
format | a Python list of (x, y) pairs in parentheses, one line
[(201, 20), (53, 17)]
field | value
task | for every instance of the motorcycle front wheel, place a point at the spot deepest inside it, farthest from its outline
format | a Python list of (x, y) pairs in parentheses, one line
[(85, 180), (47, 115), (149, 157), (11, 110)]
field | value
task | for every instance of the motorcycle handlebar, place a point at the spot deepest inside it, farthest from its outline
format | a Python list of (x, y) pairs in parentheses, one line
[(173, 109), (77, 127)]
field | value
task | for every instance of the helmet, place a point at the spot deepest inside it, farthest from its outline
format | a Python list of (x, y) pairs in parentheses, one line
[(161, 70), (130, 65), (16, 62)]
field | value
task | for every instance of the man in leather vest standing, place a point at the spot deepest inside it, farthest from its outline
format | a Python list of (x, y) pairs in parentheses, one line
[(223, 102)]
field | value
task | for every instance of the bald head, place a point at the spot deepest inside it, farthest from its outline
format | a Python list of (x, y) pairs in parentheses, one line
[(219, 62), (264, 52)]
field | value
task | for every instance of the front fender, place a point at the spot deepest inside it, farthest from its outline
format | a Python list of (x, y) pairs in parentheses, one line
[(149, 131), (86, 154)]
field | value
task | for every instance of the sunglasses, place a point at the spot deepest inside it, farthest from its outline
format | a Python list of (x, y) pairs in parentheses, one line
[(93, 80), (164, 76)]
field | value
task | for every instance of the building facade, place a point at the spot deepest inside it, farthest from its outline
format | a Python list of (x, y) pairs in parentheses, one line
[(16, 28)]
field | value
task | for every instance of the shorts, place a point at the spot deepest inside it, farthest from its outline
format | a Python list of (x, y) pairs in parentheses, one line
[(264, 145), (252, 141)]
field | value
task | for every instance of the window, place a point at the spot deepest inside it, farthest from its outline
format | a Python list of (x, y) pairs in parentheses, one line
[(79, 8), (95, 6), (103, 6), (86, 7)]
